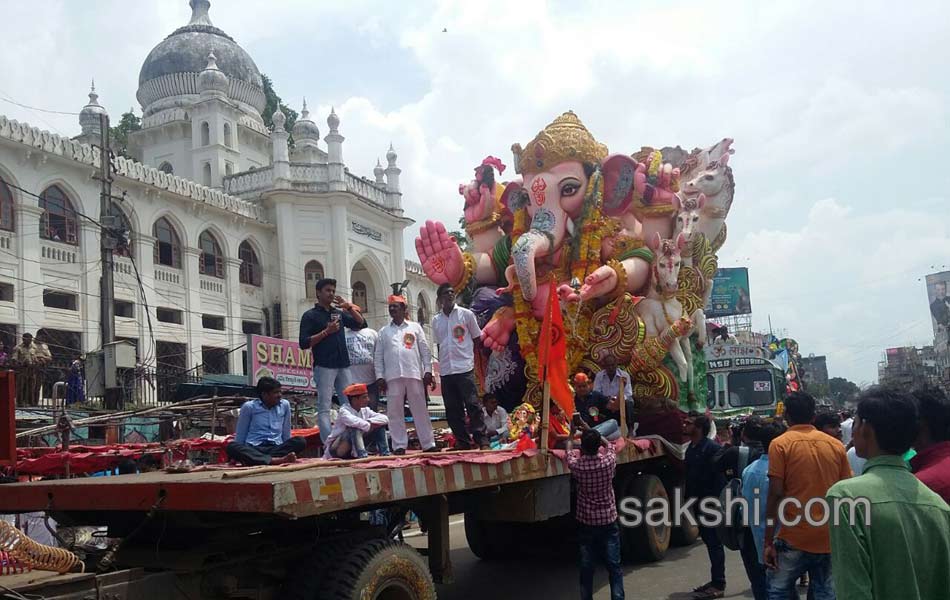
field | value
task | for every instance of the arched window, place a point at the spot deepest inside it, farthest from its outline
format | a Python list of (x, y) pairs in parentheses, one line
[(59, 222), (359, 295), (227, 135), (250, 266), (205, 134), (206, 174), (423, 314), (166, 167), (313, 273), (211, 261), (6, 207), (167, 244), (126, 247)]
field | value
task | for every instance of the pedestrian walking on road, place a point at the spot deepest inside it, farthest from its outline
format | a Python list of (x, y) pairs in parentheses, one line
[(596, 512), (705, 480), (931, 465)]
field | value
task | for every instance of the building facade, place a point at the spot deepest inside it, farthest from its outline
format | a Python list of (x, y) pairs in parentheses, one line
[(229, 227)]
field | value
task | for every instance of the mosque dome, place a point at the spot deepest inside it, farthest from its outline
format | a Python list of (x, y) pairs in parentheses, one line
[(304, 127), (89, 115), (173, 67)]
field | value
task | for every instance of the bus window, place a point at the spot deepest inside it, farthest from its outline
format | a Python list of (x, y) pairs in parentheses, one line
[(750, 388), (710, 392)]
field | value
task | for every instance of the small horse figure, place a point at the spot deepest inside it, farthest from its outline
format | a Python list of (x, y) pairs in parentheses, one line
[(715, 181), (688, 217), (660, 309)]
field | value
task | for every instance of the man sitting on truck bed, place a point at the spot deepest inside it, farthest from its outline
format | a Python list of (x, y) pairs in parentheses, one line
[(263, 429), (597, 410), (356, 424)]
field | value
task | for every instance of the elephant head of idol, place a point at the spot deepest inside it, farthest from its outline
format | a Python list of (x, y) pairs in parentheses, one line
[(557, 168)]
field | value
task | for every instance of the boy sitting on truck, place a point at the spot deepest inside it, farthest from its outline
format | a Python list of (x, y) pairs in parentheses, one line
[(356, 425), (263, 429)]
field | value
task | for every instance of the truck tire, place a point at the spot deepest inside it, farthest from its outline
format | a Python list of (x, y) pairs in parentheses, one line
[(645, 542), (486, 539), (685, 535), (378, 570)]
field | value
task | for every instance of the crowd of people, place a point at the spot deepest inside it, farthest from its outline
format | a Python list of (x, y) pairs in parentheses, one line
[(895, 543)]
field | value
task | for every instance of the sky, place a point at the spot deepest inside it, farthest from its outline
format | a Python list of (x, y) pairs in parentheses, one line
[(839, 113)]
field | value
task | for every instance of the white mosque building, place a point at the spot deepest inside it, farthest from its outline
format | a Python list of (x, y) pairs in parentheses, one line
[(230, 227)]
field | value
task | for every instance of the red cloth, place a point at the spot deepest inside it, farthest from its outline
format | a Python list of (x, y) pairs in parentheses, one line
[(932, 468), (552, 353)]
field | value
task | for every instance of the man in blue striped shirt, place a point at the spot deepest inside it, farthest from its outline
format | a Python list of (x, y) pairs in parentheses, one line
[(262, 436)]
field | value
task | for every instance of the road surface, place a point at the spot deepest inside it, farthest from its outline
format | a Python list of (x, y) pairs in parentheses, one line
[(552, 574)]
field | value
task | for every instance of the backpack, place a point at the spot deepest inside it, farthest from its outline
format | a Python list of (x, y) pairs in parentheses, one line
[(732, 536)]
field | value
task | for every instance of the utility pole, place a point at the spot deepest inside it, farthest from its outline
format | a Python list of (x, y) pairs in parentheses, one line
[(107, 245)]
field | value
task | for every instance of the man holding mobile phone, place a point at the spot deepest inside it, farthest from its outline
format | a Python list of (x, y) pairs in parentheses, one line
[(321, 330)]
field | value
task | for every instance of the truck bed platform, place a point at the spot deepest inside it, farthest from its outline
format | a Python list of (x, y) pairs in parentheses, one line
[(302, 492)]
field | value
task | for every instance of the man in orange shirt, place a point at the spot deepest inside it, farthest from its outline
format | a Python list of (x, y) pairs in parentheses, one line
[(803, 464)]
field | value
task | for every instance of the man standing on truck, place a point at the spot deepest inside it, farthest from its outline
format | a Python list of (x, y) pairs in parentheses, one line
[(404, 369), (321, 330), (596, 512), (263, 429), (456, 330)]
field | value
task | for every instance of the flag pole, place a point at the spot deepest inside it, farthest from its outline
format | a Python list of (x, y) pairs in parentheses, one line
[(545, 417), (622, 398)]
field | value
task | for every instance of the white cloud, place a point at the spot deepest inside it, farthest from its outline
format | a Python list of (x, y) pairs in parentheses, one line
[(838, 113)]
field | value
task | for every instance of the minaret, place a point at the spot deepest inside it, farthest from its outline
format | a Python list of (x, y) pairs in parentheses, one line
[(281, 154), (378, 172), (89, 118), (335, 152), (392, 171)]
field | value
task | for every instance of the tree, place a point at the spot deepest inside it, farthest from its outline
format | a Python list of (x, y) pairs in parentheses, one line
[(273, 101), (841, 390), (120, 133), (460, 236)]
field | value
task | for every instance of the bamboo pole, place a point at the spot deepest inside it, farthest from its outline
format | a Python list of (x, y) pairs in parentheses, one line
[(292, 467), (545, 417), (622, 398)]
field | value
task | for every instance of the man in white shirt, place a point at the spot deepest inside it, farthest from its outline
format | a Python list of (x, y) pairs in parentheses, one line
[(846, 426), (456, 330), (361, 348), (403, 365), (355, 425), (607, 382), (496, 418)]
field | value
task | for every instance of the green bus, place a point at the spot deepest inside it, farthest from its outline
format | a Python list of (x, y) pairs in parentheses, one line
[(742, 385)]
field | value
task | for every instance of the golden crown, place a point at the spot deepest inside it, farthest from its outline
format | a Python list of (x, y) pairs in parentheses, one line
[(565, 139)]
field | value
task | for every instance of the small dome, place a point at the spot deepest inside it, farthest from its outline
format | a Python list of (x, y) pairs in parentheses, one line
[(391, 156), (278, 119), (304, 128), (212, 79), (89, 115), (333, 121), (378, 171)]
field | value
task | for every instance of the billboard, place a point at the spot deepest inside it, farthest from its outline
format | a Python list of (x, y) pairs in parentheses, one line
[(730, 293), (283, 360), (939, 301)]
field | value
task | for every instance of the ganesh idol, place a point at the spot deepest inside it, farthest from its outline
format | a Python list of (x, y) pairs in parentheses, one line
[(628, 240)]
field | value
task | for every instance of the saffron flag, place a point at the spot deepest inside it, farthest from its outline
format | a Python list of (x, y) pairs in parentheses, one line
[(552, 353)]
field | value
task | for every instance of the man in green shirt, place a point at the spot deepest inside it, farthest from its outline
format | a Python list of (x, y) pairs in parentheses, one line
[(895, 541)]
